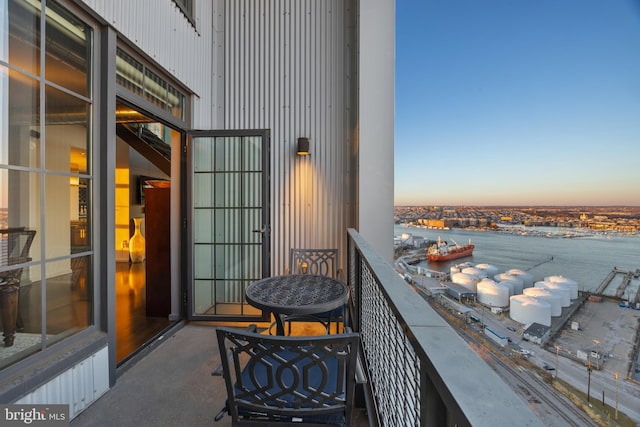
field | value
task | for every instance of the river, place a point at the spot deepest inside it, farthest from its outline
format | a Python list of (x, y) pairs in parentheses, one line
[(586, 260)]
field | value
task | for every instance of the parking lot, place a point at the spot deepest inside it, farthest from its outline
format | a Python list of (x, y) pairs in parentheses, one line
[(604, 328)]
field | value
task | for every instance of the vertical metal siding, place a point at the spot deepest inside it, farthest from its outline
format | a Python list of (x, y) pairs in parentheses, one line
[(78, 387), (286, 69), (161, 31)]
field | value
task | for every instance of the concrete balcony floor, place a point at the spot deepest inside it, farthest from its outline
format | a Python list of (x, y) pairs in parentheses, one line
[(170, 384)]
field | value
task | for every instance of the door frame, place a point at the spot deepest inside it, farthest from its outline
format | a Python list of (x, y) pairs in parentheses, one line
[(187, 261)]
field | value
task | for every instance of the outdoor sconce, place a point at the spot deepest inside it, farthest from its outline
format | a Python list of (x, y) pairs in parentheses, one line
[(303, 147)]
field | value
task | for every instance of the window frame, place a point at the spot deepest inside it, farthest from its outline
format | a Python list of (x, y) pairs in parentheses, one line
[(93, 336), (187, 9)]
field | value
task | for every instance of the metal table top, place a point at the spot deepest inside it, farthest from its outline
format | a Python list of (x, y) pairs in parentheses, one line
[(297, 294)]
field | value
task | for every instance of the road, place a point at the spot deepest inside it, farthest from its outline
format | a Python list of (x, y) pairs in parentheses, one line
[(551, 406), (577, 375)]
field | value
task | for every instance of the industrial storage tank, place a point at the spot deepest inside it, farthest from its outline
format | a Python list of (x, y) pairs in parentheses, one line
[(467, 280), (454, 269), (556, 288), (488, 268), (492, 294), (518, 283), (526, 310), (475, 272), (509, 285), (544, 295), (527, 278), (573, 285)]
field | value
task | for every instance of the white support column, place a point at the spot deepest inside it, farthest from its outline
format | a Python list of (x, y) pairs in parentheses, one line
[(376, 124)]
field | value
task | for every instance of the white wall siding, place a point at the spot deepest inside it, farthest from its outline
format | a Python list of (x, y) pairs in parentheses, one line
[(376, 123), (287, 69), (162, 32), (78, 387)]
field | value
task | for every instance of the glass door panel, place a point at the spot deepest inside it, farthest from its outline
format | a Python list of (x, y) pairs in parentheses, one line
[(229, 220)]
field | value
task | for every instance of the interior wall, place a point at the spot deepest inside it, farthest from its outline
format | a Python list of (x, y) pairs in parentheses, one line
[(130, 165), (122, 198)]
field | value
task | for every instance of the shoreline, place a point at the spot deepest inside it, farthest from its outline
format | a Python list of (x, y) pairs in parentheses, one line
[(534, 231)]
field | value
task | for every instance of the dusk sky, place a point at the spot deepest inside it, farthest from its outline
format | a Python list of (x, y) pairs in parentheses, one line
[(517, 102)]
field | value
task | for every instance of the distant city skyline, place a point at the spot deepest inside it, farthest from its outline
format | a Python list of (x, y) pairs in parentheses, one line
[(534, 102)]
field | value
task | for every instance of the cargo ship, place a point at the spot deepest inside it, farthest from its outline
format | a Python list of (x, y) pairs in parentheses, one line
[(443, 251)]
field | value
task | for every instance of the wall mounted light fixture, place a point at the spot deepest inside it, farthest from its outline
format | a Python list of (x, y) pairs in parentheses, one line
[(303, 147)]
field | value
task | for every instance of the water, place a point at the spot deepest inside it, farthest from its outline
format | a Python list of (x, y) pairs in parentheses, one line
[(586, 260)]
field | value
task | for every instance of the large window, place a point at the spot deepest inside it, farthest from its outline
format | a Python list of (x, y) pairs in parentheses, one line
[(145, 83), (46, 181)]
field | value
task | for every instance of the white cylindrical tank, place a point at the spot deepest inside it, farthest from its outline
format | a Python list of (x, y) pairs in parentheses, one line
[(518, 282), (475, 272), (509, 285), (454, 269), (527, 278), (488, 268), (467, 280), (526, 310), (544, 295), (492, 293), (556, 288), (573, 285)]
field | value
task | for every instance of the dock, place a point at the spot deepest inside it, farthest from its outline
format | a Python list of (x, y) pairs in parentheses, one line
[(628, 276)]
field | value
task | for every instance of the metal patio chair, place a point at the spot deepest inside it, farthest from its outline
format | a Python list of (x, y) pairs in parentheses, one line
[(322, 262), (15, 244), (301, 381)]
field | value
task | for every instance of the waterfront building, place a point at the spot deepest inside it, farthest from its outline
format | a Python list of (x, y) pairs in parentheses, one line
[(237, 131), (187, 114)]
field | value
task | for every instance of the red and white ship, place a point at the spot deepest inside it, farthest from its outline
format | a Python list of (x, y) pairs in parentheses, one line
[(443, 251)]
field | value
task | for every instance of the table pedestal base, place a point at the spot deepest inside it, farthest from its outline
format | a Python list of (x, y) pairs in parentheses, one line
[(9, 311)]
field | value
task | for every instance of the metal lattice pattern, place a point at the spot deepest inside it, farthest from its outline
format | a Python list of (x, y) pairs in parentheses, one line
[(285, 378), (394, 368), (322, 262)]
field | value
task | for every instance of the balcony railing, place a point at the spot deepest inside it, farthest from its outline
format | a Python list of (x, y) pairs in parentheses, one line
[(419, 371)]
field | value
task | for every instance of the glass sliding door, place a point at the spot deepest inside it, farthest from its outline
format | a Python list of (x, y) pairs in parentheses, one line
[(229, 220)]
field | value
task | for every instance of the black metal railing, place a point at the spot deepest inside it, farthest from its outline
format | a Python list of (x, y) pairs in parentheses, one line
[(419, 371)]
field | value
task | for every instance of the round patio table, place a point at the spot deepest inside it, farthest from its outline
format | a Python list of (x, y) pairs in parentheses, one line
[(297, 294)]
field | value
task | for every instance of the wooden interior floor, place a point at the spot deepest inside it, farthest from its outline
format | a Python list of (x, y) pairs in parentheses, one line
[(133, 327)]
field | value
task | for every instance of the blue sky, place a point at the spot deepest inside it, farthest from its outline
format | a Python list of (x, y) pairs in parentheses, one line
[(517, 102)]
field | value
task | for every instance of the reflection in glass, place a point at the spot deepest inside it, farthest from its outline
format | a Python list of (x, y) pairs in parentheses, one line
[(19, 203), (155, 89), (68, 47), (27, 323), (19, 119), (58, 217), (68, 296), (67, 121), (59, 228), (129, 72), (135, 77), (20, 39), (176, 103)]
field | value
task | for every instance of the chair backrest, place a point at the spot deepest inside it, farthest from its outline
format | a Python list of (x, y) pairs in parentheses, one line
[(307, 378), (323, 262), (15, 244)]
